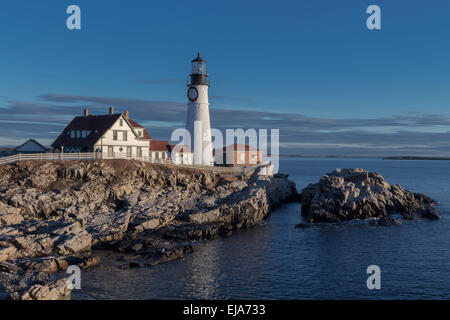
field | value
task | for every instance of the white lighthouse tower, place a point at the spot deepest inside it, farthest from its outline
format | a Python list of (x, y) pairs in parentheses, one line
[(197, 122)]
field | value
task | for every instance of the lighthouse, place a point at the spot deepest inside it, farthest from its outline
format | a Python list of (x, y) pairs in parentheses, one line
[(197, 121)]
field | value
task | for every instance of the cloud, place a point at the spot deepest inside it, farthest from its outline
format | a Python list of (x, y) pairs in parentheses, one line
[(412, 134)]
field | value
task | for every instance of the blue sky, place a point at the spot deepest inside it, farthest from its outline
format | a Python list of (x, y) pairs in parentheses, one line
[(310, 68)]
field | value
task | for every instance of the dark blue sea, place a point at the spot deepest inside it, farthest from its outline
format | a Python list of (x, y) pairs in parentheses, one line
[(326, 261)]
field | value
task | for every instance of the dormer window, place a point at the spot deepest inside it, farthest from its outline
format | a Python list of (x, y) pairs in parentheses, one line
[(72, 134)]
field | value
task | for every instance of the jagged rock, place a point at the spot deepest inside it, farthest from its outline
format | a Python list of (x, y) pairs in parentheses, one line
[(8, 219), (89, 262), (58, 290), (385, 222), (44, 264), (34, 238), (358, 194)]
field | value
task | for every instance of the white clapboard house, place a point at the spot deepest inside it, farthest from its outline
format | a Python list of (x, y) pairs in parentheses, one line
[(112, 135)]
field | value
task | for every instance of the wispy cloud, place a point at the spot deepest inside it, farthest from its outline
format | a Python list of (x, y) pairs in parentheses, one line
[(414, 133)]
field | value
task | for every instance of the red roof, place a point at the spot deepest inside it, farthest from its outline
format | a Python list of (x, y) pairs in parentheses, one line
[(180, 149), (134, 124), (163, 145), (240, 147), (97, 124), (159, 145)]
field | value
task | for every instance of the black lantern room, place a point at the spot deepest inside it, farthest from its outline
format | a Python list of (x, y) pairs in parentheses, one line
[(198, 74)]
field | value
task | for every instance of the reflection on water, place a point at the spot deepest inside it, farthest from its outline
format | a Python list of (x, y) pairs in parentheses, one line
[(329, 261)]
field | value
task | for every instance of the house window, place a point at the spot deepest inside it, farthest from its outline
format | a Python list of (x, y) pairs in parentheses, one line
[(114, 135), (83, 134), (139, 151), (121, 122), (129, 152), (140, 133), (78, 133), (120, 149), (72, 134), (110, 151), (125, 136)]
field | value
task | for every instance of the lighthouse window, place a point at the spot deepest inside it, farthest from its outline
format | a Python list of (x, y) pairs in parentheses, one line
[(198, 68)]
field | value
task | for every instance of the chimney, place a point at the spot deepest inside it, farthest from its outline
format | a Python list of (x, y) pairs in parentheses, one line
[(86, 112), (127, 114), (111, 110)]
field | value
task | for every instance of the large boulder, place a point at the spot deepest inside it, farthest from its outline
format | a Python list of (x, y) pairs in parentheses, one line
[(346, 194)]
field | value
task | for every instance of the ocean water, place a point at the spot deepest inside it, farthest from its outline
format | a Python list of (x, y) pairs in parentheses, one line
[(326, 261)]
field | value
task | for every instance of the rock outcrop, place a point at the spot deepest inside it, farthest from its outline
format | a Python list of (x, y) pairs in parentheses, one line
[(346, 194), (52, 214)]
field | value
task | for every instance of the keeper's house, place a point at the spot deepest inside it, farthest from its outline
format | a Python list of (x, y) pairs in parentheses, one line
[(113, 135)]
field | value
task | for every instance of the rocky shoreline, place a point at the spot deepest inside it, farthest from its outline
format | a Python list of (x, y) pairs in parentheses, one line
[(53, 214)]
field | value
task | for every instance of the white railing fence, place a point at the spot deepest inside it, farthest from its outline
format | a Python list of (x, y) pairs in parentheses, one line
[(97, 156)]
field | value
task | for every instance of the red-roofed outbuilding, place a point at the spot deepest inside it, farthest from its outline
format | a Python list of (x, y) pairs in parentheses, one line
[(238, 155)]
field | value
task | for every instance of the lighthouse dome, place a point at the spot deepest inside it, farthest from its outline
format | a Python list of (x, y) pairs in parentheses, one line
[(199, 59)]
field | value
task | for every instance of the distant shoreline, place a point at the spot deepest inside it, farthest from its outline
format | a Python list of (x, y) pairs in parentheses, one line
[(415, 158), (360, 157)]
